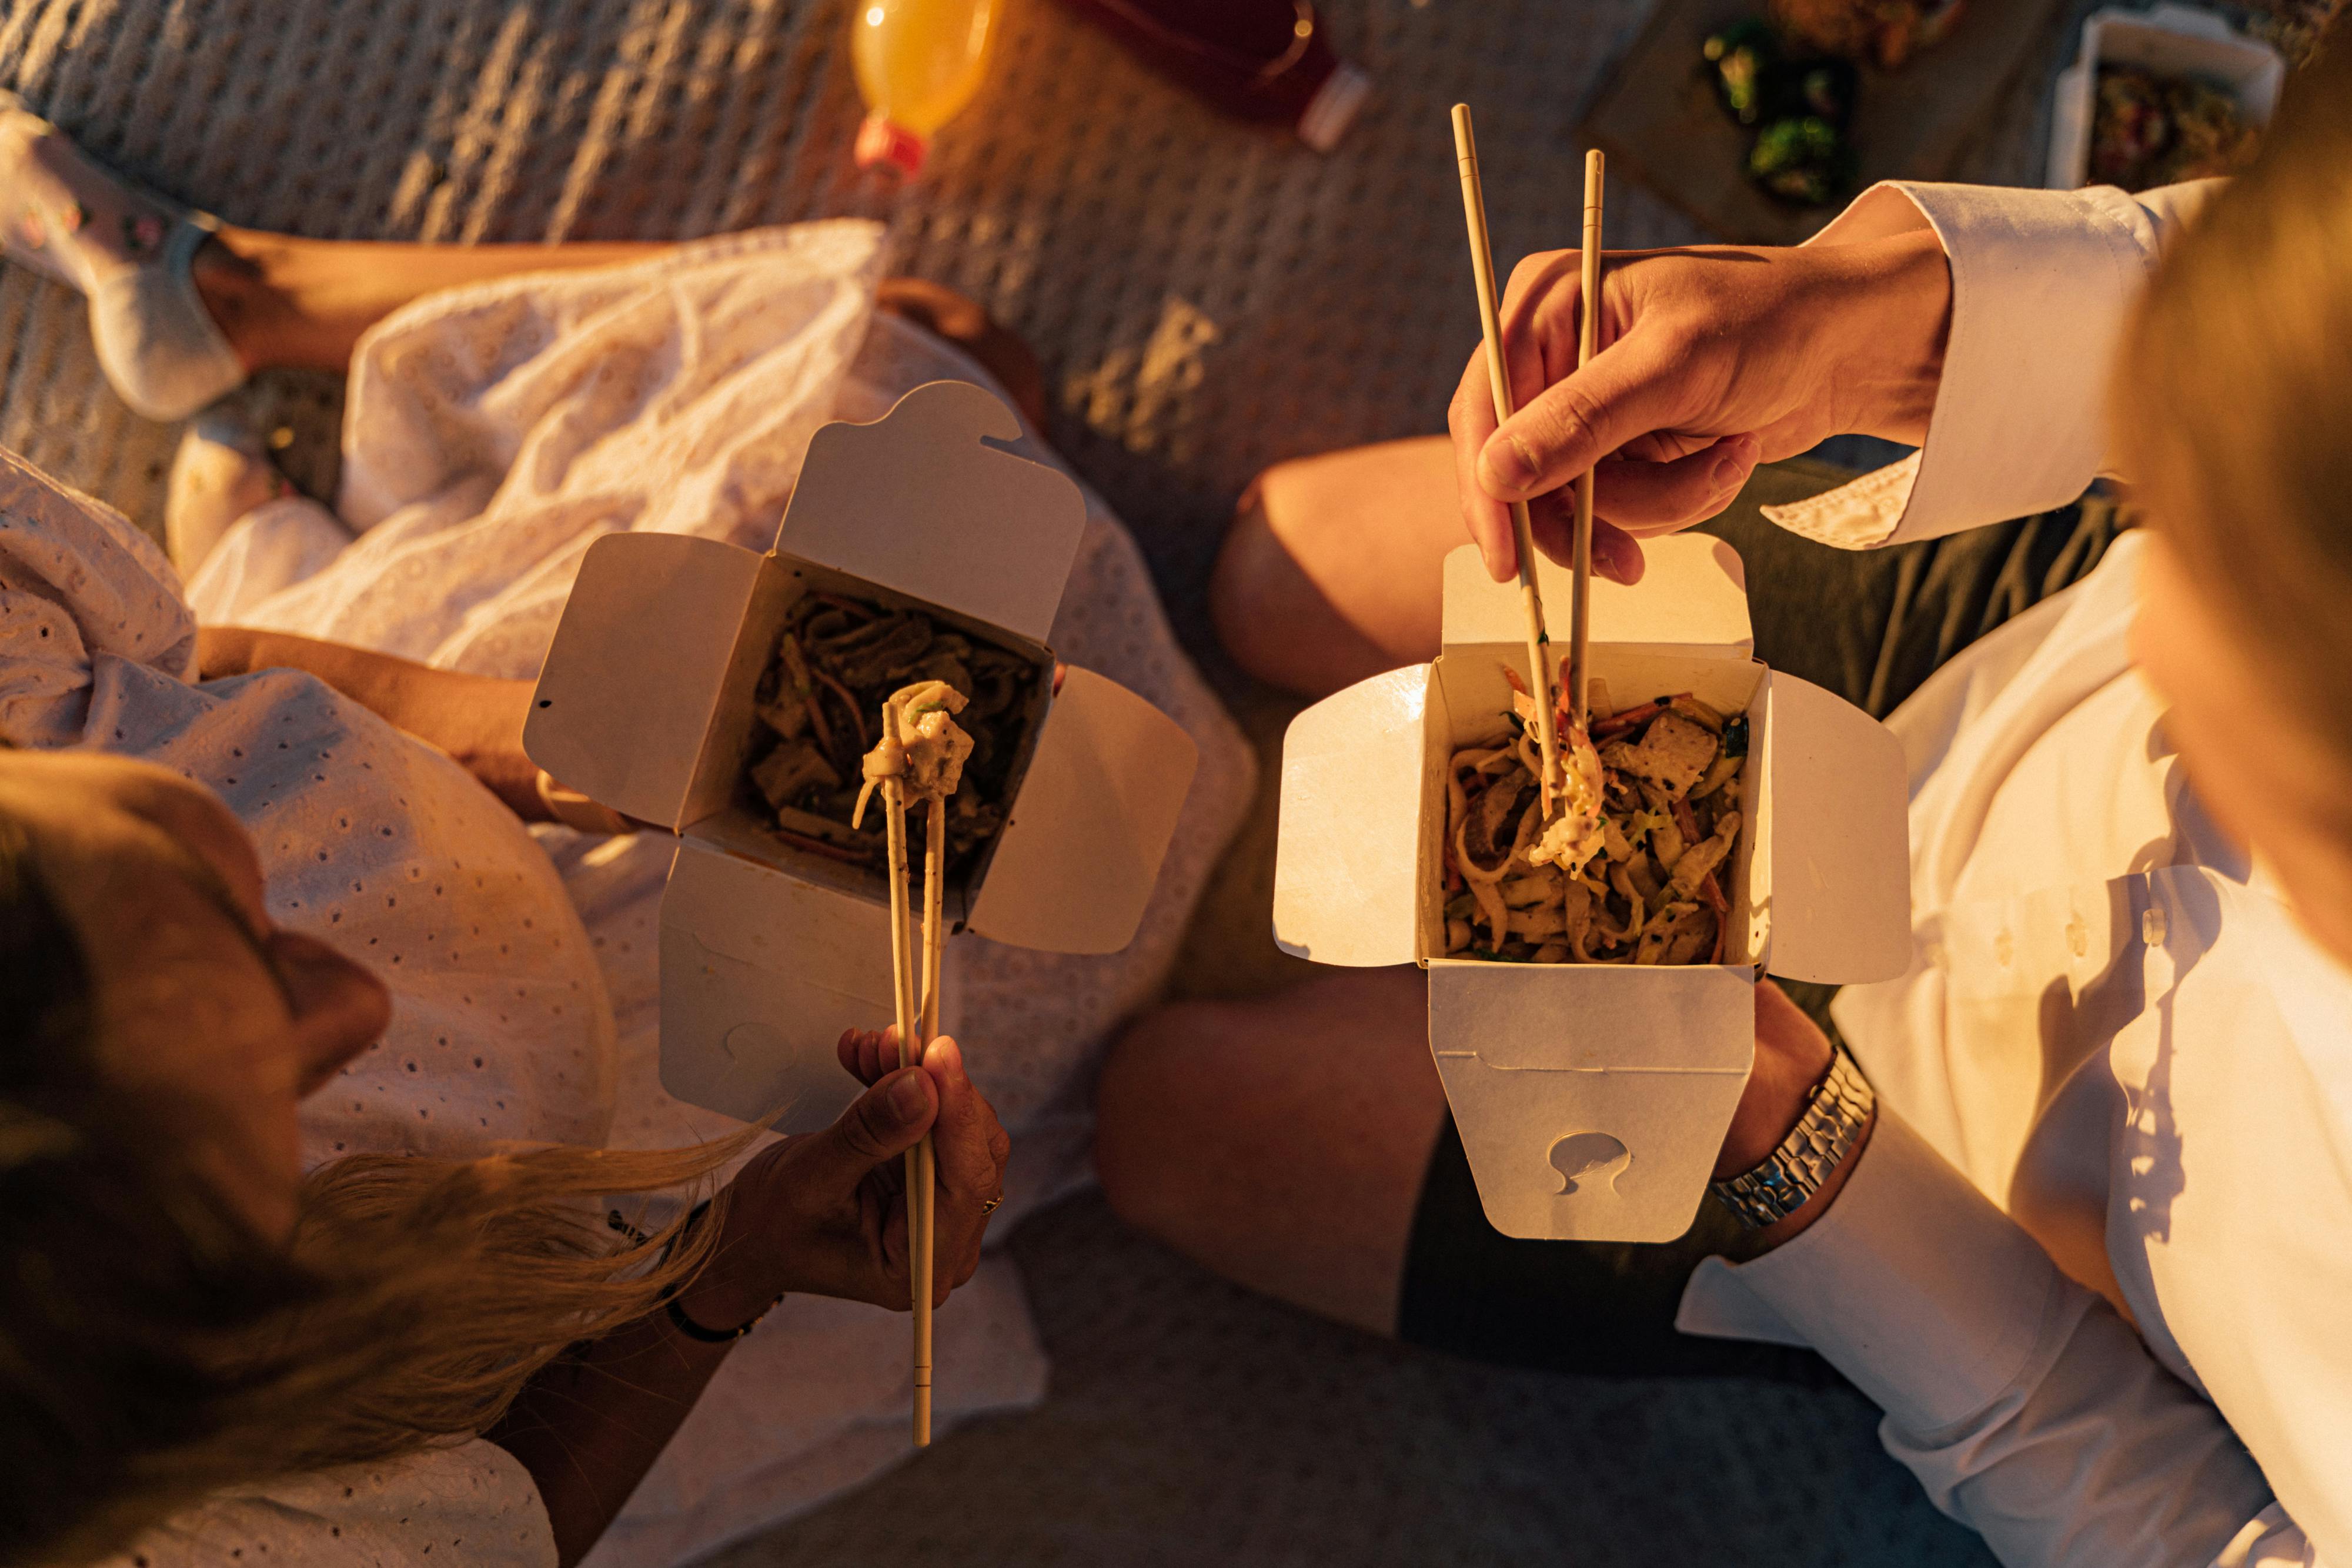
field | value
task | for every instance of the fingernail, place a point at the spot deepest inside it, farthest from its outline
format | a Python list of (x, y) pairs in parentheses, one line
[(1506, 467), (907, 1096), (1732, 466), (943, 1052)]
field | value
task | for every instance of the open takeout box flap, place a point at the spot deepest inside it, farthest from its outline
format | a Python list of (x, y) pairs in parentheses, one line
[(1347, 872), (1597, 1118), (926, 500), (652, 644), (1075, 865), (1693, 598), (761, 972), (1833, 843)]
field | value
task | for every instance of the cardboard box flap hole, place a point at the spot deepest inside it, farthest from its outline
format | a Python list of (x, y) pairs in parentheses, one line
[(1075, 866), (760, 973), (642, 660), (1015, 524), (1346, 881)]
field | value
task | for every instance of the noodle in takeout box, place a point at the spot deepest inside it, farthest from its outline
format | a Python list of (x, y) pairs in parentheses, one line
[(663, 696), (1592, 1098)]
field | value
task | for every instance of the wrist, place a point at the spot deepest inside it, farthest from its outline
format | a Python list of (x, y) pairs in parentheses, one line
[(741, 1279), (1786, 1230), (1780, 1087), (1890, 302), (1786, 1189)]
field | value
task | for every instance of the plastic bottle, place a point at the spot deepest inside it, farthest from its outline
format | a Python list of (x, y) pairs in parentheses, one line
[(918, 63), (1259, 59)]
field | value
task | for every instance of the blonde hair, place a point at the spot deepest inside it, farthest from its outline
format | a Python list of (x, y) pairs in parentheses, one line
[(154, 1350), (2233, 390)]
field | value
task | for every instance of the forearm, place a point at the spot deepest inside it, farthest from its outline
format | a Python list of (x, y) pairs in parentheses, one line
[(1888, 302), (2042, 286), (590, 1426), (476, 720)]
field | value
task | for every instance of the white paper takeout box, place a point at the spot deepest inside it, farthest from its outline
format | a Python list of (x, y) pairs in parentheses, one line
[(1593, 1099), (644, 703)]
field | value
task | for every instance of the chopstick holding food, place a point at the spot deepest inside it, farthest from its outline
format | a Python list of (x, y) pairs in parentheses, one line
[(920, 758), (1482, 268)]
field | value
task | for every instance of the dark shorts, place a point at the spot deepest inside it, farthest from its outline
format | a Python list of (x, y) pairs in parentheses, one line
[(1871, 626)]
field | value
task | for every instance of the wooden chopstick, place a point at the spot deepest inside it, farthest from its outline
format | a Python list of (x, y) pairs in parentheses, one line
[(902, 998), (922, 1238), (1588, 343), (1482, 268)]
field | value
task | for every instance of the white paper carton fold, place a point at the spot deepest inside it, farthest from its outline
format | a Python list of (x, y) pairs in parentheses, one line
[(1346, 883)]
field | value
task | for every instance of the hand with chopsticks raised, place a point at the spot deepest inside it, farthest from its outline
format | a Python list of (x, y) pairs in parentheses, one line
[(1710, 360), (972, 1147), (827, 1214)]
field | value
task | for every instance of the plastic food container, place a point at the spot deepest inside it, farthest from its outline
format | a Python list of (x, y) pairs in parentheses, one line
[(2170, 40)]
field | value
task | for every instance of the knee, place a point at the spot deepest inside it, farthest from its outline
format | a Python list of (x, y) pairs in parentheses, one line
[(1151, 1091), (1253, 590)]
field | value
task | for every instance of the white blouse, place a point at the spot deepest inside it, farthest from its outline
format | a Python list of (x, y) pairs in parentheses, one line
[(2093, 1264), (491, 434)]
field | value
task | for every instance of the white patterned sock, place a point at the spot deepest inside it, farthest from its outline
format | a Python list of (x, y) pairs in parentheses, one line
[(69, 218)]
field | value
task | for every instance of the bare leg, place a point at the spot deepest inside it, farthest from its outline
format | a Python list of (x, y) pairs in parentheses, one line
[(301, 304), (1333, 567), (1281, 1142)]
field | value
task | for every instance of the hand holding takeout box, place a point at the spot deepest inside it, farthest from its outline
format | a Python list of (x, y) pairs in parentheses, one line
[(1593, 1099), (646, 703)]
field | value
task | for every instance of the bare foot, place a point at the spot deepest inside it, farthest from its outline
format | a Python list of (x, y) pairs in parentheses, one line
[(220, 473)]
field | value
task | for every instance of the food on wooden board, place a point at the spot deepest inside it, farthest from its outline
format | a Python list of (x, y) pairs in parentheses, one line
[(1884, 33)]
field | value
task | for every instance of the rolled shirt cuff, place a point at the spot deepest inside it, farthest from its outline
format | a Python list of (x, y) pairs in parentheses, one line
[(1913, 1284), (2043, 285)]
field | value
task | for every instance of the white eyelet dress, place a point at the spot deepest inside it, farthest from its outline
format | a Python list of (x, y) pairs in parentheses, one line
[(491, 434)]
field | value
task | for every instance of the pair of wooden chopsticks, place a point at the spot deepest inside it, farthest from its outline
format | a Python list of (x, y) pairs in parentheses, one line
[(1482, 265), (917, 1022)]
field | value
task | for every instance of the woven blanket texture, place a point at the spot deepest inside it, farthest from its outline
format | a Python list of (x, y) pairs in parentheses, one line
[(1207, 298)]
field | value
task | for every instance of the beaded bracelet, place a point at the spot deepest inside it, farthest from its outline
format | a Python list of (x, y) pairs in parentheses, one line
[(677, 1309)]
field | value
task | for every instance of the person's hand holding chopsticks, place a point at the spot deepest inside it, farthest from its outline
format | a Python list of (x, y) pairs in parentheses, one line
[(1712, 360), (972, 1145), (826, 1214)]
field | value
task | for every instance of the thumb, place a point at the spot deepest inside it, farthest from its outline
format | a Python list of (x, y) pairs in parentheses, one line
[(1627, 390), (879, 1125)]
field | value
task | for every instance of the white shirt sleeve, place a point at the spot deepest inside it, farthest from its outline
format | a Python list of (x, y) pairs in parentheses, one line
[(2043, 285), (2026, 1406)]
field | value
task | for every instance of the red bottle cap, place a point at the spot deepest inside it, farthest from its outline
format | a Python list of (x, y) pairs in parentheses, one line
[(880, 141)]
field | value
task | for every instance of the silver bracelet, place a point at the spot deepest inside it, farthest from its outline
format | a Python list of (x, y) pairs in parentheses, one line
[(1833, 1123)]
